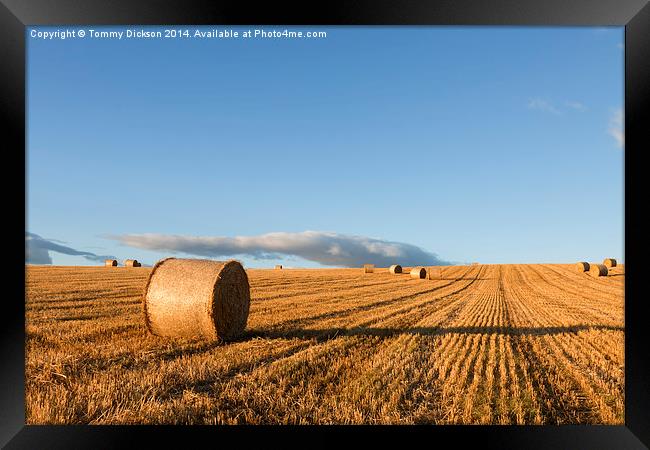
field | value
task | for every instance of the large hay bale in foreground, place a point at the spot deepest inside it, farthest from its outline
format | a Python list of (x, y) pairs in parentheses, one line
[(598, 270), (434, 273), (395, 268), (609, 262), (132, 263), (110, 262), (418, 272), (368, 268), (197, 298), (582, 266), (278, 267)]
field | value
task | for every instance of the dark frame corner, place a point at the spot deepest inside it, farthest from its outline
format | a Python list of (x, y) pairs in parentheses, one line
[(15, 15)]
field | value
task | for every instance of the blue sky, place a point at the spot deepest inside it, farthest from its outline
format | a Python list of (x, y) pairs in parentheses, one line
[(490, 144)]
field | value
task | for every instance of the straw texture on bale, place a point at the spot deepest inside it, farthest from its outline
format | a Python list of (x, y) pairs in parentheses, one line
[(278, 267), (418, 272), (110, 262), (197, 298), (598, 270), (395, 268), (609, 262), (132, 263), (434, 273), (368, 268), (582, 266)]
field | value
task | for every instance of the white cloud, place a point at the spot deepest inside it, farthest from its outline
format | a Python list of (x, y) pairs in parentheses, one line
[(541, 104), (615, 128), (575, 105), (326, 248)]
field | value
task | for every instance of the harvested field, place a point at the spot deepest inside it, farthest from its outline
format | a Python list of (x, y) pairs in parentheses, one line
[(484, 344)]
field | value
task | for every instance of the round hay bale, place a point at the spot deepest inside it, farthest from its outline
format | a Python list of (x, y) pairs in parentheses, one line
[(278, 267), (418, 272), (609, 262), (582, 266), (598, 270), (368, 268), (395, 268), (132, 263), (197, 298), (434, 273), (110, 262)]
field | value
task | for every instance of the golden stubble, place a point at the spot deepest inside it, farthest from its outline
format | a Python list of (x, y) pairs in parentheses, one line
[(481, 344)]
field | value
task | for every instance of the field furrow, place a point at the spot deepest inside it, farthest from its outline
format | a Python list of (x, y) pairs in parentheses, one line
[(484, 344)]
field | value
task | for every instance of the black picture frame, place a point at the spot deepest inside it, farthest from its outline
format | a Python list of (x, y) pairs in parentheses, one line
[(15, 15)]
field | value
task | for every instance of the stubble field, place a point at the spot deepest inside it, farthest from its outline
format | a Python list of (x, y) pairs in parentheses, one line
[(485, 344)]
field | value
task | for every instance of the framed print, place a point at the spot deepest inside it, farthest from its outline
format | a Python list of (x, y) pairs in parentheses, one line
[(246, 220)]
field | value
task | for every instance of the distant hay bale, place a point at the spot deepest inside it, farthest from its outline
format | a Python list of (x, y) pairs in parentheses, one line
[(368, 268), (434, 273), (598, 270), (132, 263), (197, 298), (278, 267), (582, 266), (395, 268), (418, 272), (110, 262), (609, 262), (476, 264)]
